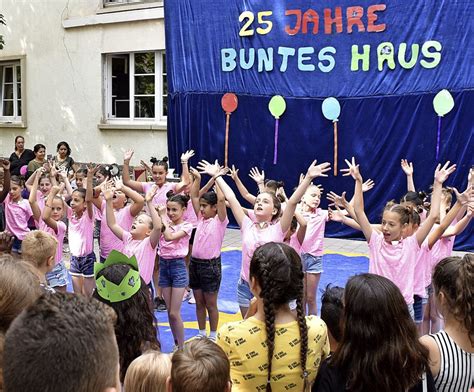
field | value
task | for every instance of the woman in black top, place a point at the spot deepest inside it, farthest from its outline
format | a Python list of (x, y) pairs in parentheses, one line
[(379, 349), (63, 159), (20, 157)]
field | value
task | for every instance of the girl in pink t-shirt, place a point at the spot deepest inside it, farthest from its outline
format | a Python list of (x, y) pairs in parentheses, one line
[(174, 246), (205, 264), (159, 172), (391, 255), (312, 248), (267, 209), (124, 216), (17, 209), (48, 218), (81, 237), (142, 239)]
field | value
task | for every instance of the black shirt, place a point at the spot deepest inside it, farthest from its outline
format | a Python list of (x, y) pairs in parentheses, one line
[(16, 163), (330, 379)]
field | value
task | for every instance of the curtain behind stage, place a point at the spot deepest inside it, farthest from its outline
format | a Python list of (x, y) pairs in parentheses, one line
[(386, 114)]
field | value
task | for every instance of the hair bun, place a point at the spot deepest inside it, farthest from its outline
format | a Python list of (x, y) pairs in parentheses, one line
[(280, 184), (165, 159), (153, 160), (169, 194)]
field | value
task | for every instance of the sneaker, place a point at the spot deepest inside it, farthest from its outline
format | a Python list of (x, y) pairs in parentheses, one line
[(160, 304), (200, 336), (212, 339), (192, 300), (187, 295)]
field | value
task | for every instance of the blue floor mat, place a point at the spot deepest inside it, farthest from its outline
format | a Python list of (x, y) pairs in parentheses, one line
[(337, 269)]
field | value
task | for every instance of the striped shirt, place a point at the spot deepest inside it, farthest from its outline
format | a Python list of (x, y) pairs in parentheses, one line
[(456, 373)]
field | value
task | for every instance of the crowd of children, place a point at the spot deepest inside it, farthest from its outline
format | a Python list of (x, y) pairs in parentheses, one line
[(158, 239)]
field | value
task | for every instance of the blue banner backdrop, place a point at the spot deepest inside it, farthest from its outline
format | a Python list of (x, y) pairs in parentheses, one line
[(384, 62)]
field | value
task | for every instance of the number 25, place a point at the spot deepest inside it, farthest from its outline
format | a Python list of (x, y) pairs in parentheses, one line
[(249, 16)]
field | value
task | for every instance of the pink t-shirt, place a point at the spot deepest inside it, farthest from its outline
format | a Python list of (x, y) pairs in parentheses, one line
[(108, 240), (81, 231), (144, 253), (314, 237), (160, 195), (59, 236), (253, 237), (41, 200), (394, 261), (17, 215), (294, 242), (209, 237), (190, 215), (176, 249), (423, 263), (441, 249)]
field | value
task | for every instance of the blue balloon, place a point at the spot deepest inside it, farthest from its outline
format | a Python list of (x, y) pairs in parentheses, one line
[(331, 108)]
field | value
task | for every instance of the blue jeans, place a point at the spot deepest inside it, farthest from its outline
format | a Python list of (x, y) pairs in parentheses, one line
[(312, 264), (57, 277), (244, 295), (173, 273)]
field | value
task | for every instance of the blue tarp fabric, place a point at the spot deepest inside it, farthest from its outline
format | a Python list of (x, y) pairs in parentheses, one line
[(384, 62)]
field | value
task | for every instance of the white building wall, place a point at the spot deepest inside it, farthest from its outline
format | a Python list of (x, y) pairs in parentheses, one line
[(63, 41)]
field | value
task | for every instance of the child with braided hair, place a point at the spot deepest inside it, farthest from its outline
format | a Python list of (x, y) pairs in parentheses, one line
[(275, 349), (451, 351)]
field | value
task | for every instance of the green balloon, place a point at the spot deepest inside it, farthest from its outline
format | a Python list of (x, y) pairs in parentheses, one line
[(277, 106), (443, 103)]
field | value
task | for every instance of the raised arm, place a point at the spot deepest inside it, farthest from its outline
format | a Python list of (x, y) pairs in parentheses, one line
[(194, 193), (5, 164), (353, 171), (138, 200), (221, 207), (214, 170), (135, 185), (314, 171), (338, 215), (31, 180), (185, 176), (234, 174), (207, 187), (50, 222), (155, 218), (91, 170), (67, 184), (407, 168), (33, 194), (109, 211), (258, 177), (302, 225), (440, 176)]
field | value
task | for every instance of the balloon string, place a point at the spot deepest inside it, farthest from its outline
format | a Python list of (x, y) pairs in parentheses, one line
[(226, 152), (335, 148), (438, 137), (275, 152)]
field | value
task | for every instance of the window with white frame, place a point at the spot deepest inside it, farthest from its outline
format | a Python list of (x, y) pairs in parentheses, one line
[(10, 94), (136, 86)]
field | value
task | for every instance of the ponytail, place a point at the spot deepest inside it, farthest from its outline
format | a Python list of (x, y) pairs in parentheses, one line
[(454, 276), (157, 162)]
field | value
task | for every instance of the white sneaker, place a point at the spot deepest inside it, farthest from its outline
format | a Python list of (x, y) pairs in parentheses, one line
[(192, 300)]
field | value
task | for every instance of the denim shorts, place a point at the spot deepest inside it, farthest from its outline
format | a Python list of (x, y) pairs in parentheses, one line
[(205, 275), (411, 311), (173, 273), (244, 295), (418, 309), (312, 264), (83, 265), (16, 246), (57, 277)]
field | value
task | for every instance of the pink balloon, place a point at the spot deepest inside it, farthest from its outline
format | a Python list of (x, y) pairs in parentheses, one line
[(23, 170), (229, 102)]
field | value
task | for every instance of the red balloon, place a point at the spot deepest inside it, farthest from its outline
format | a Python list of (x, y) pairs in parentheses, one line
[(229, 102)]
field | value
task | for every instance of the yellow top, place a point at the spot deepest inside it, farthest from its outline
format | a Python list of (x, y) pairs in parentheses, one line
[(244, 344)]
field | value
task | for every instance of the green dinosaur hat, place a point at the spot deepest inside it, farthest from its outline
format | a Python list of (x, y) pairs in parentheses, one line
[(129, 285)]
